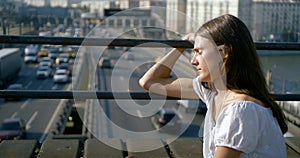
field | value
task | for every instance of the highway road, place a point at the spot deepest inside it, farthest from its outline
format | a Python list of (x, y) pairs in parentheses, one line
[(37, 113), (116, 118), (132, 118)]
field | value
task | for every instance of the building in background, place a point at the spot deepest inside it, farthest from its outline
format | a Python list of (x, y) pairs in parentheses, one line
[(202, 11), (191, 14), (271, 20), (98, 7), (51, 3), (142, 18), (267, 20), (38, 3), (60, 3), (176, 16), (125, 4)]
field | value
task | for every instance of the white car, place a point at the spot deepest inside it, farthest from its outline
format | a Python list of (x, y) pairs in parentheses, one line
[(60, 76), (31, 58), (31, 49), (46, 61), (44, 64), (43, 72)]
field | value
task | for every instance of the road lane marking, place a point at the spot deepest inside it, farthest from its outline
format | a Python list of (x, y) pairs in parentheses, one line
[(25, 104), (55, 114), (33, 116), (42, 85), (55, 87), (28, 84), (139, 113), (14, 115)]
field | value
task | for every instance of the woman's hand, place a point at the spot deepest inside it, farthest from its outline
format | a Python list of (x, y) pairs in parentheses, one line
[(189, 37)]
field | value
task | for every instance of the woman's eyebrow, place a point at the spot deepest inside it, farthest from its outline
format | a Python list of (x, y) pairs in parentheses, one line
[(196, 49)]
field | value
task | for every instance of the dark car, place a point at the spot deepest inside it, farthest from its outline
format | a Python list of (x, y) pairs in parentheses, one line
[(129, 56), (13, 128), (105, 62), (15, 86), (167, 119), (66, 67)]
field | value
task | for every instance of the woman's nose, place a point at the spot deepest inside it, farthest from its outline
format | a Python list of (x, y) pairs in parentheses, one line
[(194, 61)]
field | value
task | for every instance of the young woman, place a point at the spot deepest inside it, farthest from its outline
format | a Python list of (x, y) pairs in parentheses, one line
[(242, 118)]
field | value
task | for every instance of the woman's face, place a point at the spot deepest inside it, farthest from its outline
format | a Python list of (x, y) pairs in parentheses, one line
[(207, 59)]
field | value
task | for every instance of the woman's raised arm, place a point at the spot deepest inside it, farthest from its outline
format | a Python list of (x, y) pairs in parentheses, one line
[(157, 78)]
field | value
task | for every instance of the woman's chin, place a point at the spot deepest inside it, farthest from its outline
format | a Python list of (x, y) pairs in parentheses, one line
[(204, 78)]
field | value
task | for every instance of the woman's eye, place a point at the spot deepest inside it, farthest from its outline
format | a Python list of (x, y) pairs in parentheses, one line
[(196, 51)]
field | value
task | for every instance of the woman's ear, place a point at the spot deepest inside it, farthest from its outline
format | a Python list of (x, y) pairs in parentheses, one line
[(223, 51), (225, 54)]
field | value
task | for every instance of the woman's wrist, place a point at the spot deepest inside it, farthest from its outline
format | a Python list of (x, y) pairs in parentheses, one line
[(181, 50)]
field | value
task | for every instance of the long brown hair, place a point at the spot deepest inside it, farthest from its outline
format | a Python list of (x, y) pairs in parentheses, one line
[(243, 70)]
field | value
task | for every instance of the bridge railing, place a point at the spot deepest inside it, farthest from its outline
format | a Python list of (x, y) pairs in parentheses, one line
[(121, 42)]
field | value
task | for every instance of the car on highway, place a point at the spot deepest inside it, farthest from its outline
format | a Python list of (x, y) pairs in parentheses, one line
[(129, 56), (67, 67), (43, 72), (72, 51), (45, 50), (43, 53), (15, 86), (31, 49), (167, 120), (46, 61), (60, 76), (105, 62), (31, 58), (62, 58), (12, 128), (53, 54)]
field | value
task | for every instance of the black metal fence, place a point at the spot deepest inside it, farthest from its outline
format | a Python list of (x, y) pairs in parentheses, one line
[(53, 94), (122, 42)]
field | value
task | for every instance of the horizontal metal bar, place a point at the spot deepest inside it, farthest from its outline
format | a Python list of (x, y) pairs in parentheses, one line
[(28, 39), (95, 41), (54, 94), (277, 46)]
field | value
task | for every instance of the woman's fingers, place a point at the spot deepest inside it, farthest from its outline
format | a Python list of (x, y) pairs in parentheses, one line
[(189, 37)]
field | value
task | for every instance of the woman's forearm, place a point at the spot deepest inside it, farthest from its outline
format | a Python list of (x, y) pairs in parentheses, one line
[(162, 69)]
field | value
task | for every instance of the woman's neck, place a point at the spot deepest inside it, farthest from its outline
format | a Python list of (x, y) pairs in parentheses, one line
[(220, 85)]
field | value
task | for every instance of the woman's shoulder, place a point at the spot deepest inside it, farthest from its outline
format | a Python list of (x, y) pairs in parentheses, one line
[(245, 107), (244, 112), (243, 101)]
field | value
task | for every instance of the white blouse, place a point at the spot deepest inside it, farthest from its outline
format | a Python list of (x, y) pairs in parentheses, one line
[(243, 125)]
